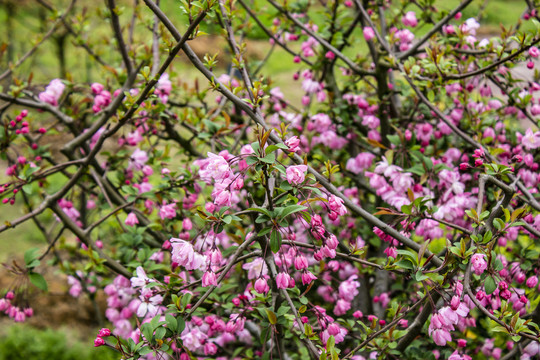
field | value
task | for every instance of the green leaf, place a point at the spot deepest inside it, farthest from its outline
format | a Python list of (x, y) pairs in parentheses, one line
[(404, 264), (261, 210), (250, 160), (273, 148), (30, 256), (171, 322), (39, 281), (498, 223), (180, 324), (264, 231), (271, 316), (160, 332), (269, 159), (490, 285), (291, 209), (27, 189), (147, 331), (275, 241)]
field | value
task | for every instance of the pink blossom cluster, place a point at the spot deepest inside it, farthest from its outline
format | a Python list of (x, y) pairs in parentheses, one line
[(121, 306), (52, 92), (163, 88), (102, 98), (23, 127), (9, 306), (76, 286), (216, 169), (445, 319)]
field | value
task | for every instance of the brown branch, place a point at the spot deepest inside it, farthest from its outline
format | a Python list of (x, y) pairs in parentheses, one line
[(492, 65), (117, 30)]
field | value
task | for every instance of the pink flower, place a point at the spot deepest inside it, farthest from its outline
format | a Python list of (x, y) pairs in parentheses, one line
[(531, 140), (368, 33), (307, 277), (532, 281), (99, 342), (349, 289), (209, 279), (342, 306), (163, 88), (479, 263), (391, 252), (296, 174), (184, 255), (210, 349), (409, 19), (104, 332), (52, 92), (441, 336), (167, 211), (193, 339), (531, 350), (149, 306), (534, 52), (293, 143), (261, 286), (336, 204), (138, 159), (330, 55), (300, 262), (187, 224), (284, 281), (363, 161), (216, 168), (255, 268), (131, 219), (222, 197)]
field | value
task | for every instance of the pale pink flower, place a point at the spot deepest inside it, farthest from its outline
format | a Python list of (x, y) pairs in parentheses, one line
[(409, 19), (163, 88), (167, 211), (531, 140), (149, 306), (293, 144), (368, 33), (255, 268), (441, 336), (141, 279), (479, 263), (52, 92), (209, 279), (193, 338), (296, 174), (138, 159), (131, 219), (184, 255), (216, 168)]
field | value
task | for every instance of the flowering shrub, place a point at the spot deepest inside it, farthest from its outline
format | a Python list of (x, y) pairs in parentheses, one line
[(392, 212)]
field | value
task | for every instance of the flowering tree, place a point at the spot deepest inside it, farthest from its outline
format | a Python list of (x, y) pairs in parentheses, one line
[(392, 212)]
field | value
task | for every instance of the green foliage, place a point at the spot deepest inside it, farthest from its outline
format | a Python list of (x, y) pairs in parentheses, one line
[(23, 342)]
